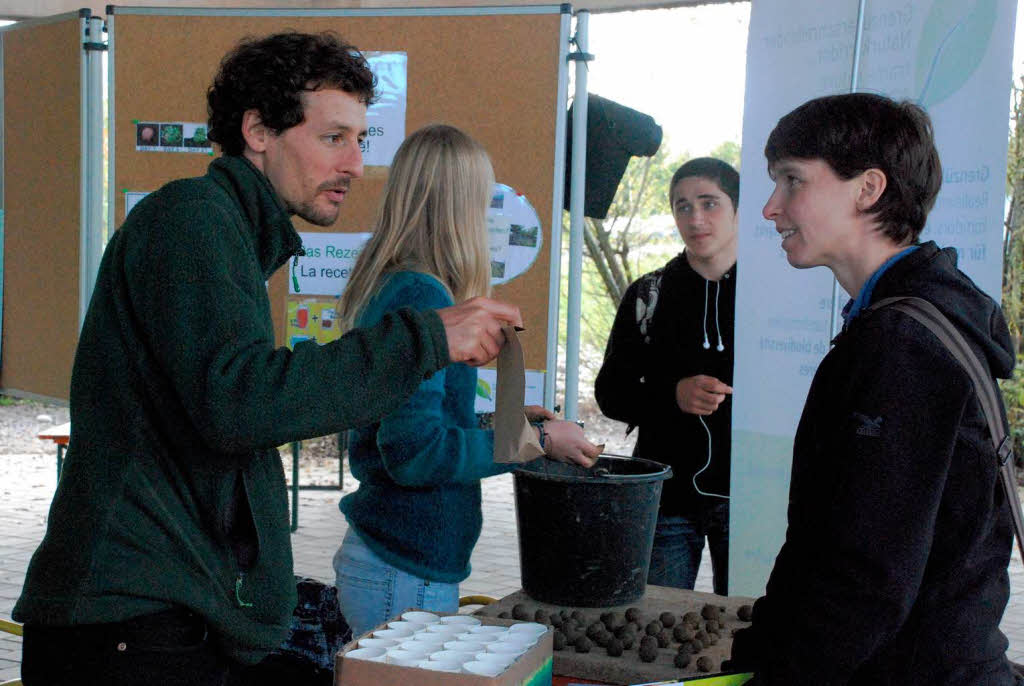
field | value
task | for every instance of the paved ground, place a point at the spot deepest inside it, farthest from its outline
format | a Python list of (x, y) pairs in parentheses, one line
[(27, 481)]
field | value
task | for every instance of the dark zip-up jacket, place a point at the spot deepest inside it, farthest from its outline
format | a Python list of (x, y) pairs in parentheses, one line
[(647, 356), (894, 568), (173, 492)]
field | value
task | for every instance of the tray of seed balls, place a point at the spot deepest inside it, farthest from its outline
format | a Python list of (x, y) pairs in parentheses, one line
[(667, 634)]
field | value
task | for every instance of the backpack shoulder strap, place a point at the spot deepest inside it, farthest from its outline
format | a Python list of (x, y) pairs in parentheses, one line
[(984, 386)]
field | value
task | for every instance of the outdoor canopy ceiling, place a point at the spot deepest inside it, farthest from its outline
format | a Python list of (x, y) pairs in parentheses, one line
[(24, 9)]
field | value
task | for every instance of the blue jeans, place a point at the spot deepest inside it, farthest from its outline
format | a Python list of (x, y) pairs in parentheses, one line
[(679, 544), (371, 591)]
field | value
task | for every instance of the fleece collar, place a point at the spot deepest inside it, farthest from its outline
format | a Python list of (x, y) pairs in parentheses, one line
[(271, 225)]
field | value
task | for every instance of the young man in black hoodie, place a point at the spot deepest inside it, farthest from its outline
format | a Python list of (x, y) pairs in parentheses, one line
[(668, 369), (894, 567)]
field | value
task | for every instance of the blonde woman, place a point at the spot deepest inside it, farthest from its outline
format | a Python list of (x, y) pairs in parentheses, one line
[(416, 515)]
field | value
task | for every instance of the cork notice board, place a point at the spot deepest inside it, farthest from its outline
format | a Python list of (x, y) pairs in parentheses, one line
[(493, 73), (41, 202)]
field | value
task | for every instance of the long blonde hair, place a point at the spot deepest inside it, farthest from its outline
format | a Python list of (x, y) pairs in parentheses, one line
[(432, 219)]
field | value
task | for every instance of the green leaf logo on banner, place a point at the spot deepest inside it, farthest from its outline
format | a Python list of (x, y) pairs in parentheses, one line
[(483, 389), (954, 40)]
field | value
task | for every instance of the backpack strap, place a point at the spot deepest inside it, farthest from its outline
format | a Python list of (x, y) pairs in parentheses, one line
[(984, 386)]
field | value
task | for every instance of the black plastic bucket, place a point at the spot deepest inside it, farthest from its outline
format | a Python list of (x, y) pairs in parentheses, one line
[(585, 535)]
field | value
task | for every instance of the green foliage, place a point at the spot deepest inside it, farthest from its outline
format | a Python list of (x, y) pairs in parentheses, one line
[(1013, 398), (7, 401), (1013, 236), (728, 151)]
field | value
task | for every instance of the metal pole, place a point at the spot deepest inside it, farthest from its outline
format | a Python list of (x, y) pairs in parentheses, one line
[(84, 182), (834, 324), (576, 189), (558, 186), (93, 160)]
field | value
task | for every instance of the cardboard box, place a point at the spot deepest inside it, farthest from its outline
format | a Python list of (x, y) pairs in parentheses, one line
[(532, 668)]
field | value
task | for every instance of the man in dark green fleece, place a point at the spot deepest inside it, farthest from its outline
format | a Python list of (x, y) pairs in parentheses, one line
[(167, 557)]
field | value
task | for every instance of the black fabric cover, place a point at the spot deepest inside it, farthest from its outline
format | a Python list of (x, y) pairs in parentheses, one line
[(614, 134)]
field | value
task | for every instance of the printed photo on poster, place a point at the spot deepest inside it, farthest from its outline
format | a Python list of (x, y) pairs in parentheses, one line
[(311, 320), (172, 137)]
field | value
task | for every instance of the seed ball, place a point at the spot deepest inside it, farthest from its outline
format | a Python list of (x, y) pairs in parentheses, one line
[(711, 612), (614, 647), (572, 634), (696, 646), (693, 619), (505, 615), (648, 649), (579, 616), (682, 633), (594, 629), (667, 619), (583, 644), (602, 638), (628, 641), (681, 660), (521, 611), (745, 612), (613, 620), (712, 626), (559, 640), (564, 613), (633, 615), (686, 648), (653, 628), (620, 631), (703, 637), (541, 617), (605, 617), (664, 638), (556, 620), (705, 663)]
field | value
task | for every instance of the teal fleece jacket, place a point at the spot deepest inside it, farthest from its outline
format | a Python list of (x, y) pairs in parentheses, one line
[(173, 492), (419, 468)]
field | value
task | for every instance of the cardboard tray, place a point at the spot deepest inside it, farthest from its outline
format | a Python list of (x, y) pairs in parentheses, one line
[(533, 668), (628, 669)]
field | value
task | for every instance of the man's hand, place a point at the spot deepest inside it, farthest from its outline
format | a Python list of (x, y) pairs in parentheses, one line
[(700, 394), (565, 442), (537, 413), (473, 329)]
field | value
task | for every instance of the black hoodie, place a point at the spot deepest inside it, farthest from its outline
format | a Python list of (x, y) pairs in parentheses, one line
[(894, 568), (690, 333)]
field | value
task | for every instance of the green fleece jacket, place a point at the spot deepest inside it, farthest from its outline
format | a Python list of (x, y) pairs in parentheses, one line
[(173, 492)]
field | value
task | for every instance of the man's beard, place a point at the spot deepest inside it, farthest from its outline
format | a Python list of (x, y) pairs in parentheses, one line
[(316, 216)]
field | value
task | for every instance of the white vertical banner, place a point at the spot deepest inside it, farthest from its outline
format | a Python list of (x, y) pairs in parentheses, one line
[(951, 56)]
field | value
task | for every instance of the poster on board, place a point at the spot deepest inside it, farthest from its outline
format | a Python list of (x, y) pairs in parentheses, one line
[(385, 119), (327, 264), (514, 234), (171, 137), (487, 389), (951, 57)]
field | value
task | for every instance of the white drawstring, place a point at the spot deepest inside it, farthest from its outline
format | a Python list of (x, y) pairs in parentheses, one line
[(720, 347), (705, 323), (718, 327)]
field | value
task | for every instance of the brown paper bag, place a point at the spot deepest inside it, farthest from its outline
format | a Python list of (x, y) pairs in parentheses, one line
[(515, 440)]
